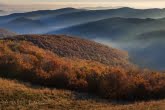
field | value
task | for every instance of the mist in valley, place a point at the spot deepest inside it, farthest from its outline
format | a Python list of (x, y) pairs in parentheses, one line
[(141, 36), (147, 53)]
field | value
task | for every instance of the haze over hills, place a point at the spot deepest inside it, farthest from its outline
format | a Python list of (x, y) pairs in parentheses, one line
[(82, 58), (62, 18), (28, 25), (130, 34), (17, 21), (76, 18), (2, 12), (113, 28), (39, 14), (125, 28), (6, 33), (35, 15), (72, 63)]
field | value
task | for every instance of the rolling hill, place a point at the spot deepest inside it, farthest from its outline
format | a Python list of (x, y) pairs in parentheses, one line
[(119, 32), (31, 58), (63, 18), (38, 14), (27, 25), (75, 18), (113, 28), (32, 22), (67, 46), (137, 36), (6, 33), (64, 72)]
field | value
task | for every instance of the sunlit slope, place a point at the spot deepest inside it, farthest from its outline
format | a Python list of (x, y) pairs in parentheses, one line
[(24, 60), (19, 95), (67, 46)]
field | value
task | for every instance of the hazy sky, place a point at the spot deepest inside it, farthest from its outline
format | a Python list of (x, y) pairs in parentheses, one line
[(32, 1), (39, 1), (52, 4)]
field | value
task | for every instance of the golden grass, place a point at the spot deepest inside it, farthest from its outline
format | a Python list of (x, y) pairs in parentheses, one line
[(74, 47), (17, 95), (24, 61)]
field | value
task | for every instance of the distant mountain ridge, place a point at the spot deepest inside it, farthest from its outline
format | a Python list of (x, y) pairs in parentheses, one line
[(27, 25), (62, 18), (112, 28), (39, 13), (142, 38), (138, 31), (30, 19)]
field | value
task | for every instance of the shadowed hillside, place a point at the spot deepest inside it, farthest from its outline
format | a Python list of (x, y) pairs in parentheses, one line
[(38, 14), (32, 22), (25, 24), (61, 18), (143, 39), (117, 29)]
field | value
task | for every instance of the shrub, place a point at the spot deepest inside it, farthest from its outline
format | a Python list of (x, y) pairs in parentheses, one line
[(29, 63)]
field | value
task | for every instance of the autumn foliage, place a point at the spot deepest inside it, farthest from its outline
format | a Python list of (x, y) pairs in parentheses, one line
[(23, 60), (72, 47)]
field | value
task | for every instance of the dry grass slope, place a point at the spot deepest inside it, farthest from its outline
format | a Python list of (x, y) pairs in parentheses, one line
[(67, 46), (24, 61), (16, 95)]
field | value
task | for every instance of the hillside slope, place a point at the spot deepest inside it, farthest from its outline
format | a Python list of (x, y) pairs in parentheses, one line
[(30, 22), (24, 60), (19, 95), (142, 38), (6, 33), (25, 25), (37, 14), (67, 46), (117, 29), (85, 16)]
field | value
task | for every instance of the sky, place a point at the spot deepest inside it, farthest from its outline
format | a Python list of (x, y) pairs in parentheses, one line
[(29, 5), (92, 3)]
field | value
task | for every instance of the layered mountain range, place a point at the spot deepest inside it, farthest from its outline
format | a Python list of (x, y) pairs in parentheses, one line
[(138, 31), (52, 20), (95, 63)]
